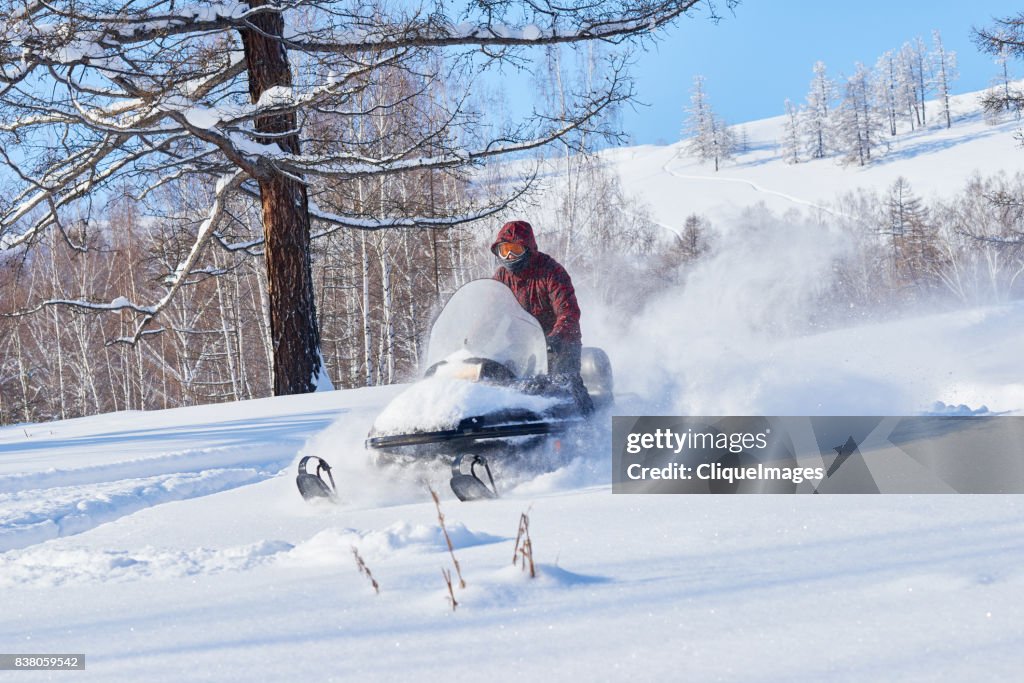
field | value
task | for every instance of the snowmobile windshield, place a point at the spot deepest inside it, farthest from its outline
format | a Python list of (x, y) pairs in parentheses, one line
[(484, 320)]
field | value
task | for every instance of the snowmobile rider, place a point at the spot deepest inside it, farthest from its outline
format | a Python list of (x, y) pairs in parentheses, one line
[(544, 289)]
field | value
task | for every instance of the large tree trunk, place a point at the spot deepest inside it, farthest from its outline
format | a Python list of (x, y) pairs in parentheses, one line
[(293, 324)]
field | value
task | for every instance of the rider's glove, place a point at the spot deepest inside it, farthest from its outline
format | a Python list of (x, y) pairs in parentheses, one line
[(554, 344)]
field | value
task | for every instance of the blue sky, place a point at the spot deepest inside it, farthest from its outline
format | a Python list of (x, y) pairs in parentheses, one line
[(762, 53)]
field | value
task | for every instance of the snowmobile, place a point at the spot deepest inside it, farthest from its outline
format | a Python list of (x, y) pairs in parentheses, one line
[(486, 392)]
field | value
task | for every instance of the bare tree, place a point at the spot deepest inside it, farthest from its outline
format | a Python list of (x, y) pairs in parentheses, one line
[(859, 123), (989, 215), (917, 54), (1003, 40), (791, 134), (887, 85), (944, 72), (909, 77), (94, 92)]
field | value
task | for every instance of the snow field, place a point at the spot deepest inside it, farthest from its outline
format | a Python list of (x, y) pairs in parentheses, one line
[(251, 582), (710, 588)]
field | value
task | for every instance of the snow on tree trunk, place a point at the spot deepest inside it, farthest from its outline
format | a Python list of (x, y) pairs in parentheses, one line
[(26, 406), (285, 207), (367, 332), (57, 332), (260, 291), (243, 372), (389, 318), (225, 308)]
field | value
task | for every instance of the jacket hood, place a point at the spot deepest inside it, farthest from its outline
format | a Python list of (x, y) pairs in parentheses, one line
[(517, 232)]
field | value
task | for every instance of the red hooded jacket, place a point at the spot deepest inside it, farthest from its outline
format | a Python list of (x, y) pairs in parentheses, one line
[(542, 286)]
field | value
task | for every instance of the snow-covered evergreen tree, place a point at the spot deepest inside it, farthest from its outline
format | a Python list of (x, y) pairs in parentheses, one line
[(817, 124), (791, 134), (858, 132), (743, 140), (944, 72), (698, 116), (710, 138)]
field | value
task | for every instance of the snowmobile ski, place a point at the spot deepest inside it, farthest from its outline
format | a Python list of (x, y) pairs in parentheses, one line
[(469, 485), (473, 429), (313, 486)]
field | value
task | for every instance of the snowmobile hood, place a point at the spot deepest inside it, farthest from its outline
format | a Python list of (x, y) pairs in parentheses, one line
[(516, 232)]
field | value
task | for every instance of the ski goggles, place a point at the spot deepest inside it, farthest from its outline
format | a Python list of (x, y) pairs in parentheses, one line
[(510, 251)]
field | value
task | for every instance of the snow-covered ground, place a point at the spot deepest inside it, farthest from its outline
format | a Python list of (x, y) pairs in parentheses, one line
[(173, 545), (167, 568)]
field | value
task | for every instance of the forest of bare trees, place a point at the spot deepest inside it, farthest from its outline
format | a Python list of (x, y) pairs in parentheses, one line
[(311, 116), (206, 202), (963, 250), (375, 292)]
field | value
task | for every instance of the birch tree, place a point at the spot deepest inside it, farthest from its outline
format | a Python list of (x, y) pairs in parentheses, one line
[(95, 92)]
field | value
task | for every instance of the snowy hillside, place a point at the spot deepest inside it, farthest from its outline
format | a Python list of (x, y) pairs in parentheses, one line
[(173, 545), (937, 162)]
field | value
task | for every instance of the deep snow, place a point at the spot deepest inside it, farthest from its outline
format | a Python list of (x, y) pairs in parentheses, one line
[(173, 545), (251, 583)]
